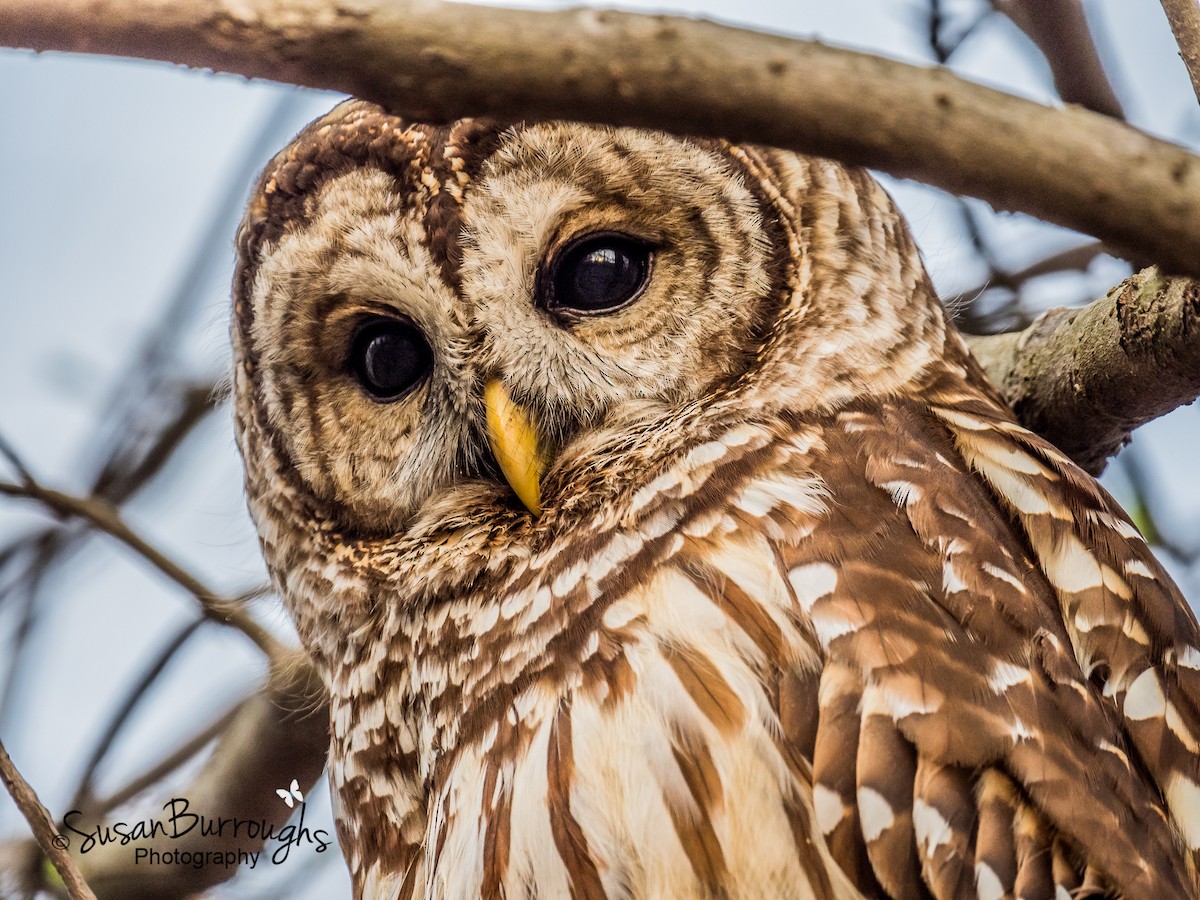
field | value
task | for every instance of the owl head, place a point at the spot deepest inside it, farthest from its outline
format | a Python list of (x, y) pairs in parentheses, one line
[(491, 318)]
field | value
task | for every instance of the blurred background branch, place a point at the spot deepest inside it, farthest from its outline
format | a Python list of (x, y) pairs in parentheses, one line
[(104, 516), (1060, 30)]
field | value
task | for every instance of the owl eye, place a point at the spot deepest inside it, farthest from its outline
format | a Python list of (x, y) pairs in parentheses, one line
[(598, 273), (389, 356)]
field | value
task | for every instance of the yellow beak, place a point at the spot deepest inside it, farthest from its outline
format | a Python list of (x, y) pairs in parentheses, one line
[(516, 444)]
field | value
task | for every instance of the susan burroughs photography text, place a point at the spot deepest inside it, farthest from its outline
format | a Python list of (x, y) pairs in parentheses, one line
[(178, 822)]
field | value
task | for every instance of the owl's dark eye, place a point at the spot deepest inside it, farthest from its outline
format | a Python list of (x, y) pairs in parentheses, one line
[(389, 356), (599, 273)]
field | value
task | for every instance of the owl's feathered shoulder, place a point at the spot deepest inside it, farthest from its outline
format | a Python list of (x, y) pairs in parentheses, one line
[(970, 654), (1008, 687)]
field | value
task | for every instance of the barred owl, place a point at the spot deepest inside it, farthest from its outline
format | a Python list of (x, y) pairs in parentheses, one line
[(657, 537)]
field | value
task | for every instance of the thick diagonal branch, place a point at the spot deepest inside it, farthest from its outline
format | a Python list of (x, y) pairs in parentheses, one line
[(1184, 16), (1086, 378), (436, 60), (43, 829)]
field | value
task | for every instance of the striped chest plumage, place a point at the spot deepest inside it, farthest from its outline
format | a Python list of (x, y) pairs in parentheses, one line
[(642, 755)]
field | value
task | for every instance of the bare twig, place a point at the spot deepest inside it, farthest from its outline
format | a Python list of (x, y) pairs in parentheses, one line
[(1059, 28), (43, 828), (104, 516), (139, 453), (1085, 378), (185, 751), (439, 60), (943, 49), (1184, 16), (8, 452), (138, 457), (83, 794), (1070, 259), (1076, 258), (31, 554)]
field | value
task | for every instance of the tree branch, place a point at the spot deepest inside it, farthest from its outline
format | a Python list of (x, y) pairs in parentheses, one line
[(1085, 378), (1184, 16), (43, 828), (437, 60), (105, 517), (1060, 30)]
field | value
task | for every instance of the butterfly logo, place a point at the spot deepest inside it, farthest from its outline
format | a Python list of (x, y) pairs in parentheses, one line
[(292, 795)]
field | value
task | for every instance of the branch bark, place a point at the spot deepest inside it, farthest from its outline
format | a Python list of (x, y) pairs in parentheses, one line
[(43, 829), (1085, 378), (436, 60), (1184, 16)]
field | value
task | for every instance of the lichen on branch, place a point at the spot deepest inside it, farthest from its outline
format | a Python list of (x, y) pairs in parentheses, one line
[(1086, 378)]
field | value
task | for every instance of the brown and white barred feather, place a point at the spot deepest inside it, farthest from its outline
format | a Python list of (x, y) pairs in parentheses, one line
[(838, 628)]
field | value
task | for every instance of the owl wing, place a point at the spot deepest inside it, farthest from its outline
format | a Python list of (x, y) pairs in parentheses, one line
[(1006, 703)]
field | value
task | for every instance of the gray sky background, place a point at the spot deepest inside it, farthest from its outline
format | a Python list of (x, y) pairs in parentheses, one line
[(113, 173)]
